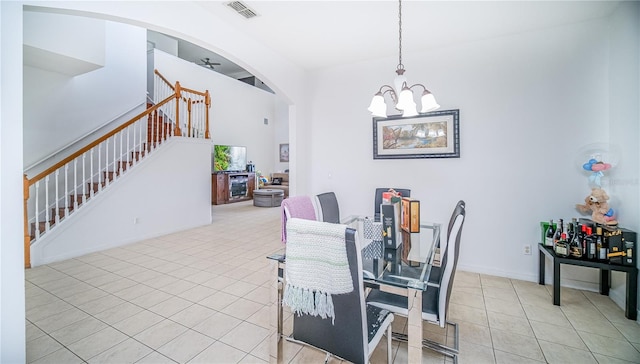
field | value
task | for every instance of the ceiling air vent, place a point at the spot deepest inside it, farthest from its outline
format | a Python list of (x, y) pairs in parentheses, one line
[(242, 9)]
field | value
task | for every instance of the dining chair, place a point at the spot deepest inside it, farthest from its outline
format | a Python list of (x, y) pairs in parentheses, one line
[(328, 209), (404, 192), (435, 300), (357, 328)]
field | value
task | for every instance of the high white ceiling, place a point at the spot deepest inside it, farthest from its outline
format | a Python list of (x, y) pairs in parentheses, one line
[(318, 34)]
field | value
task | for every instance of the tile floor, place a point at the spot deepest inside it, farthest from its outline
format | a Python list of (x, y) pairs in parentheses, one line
[(200, 296)]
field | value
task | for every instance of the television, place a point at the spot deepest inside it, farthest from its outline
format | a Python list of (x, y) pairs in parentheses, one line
[(228, 158)]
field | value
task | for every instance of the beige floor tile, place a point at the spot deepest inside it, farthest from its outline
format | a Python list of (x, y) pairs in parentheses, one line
[(171, 306), (134, 291), (549, 314), (151, 299), (101, 304), (556, 353), (600, 326), (245, 336), (508, 358), (59, 356), (43, 298), (461, 298), (603, 359), (217, 325), (197, 293), (61, 319), (192, 315), (239, 288), (516, 344), (250, 359), (78, 330), (40, 347), (559, 335), (85, 296), (258, 294), (137, 323), (467, 279), (32, 331), (474, 334), (96, 343), (178, 287), (118, 313), (620, 349), (311, 355), (242, 308), (219, 300), (186, 346), (504, 294), (493, 281), (459, 313), (201, 276), (219, 282), (47, 310), (261, 317), (128, 351), (476, 354), (505, 307), (219, 352), (155, 358), (160, 333), (630, 330), (509, 323)]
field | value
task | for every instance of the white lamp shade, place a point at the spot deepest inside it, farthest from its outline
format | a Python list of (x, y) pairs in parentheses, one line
[(399, 83), (378, 107), (410, 110), (405, 100), (428, 102)]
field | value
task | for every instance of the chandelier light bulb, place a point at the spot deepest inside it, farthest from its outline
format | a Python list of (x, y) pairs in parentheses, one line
[(428, 102)]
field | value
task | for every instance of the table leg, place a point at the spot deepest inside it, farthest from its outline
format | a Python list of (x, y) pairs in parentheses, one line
[(631, 309), (556, 283), (414, 322), (541, 266), (275, 316), (604, 282)]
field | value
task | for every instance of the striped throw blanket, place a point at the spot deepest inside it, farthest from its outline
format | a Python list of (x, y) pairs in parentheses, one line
[(317, 267)]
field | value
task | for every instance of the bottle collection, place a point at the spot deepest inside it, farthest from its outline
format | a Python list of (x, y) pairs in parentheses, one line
[(586, 240)]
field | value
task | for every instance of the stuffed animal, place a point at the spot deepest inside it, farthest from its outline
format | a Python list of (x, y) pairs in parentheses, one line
[(597, 203)]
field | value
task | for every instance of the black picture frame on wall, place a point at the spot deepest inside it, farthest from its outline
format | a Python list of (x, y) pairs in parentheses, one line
[(432, 135)]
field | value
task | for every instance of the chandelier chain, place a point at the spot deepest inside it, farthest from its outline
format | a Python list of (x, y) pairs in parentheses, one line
[(400, 65)]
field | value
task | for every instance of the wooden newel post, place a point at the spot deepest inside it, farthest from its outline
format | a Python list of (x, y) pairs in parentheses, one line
[(177, 131), (27, 238), (207, 101)]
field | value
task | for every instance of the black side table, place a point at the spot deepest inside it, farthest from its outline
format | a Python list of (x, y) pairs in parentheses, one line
[(631, 307)]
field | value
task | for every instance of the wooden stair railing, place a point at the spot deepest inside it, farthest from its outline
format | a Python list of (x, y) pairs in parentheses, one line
[(50, 198)]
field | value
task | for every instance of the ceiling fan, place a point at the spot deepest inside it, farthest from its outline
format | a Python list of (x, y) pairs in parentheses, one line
[(207, 63)]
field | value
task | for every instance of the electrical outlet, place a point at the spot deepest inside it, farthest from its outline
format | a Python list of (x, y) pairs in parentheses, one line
[(526, 249)]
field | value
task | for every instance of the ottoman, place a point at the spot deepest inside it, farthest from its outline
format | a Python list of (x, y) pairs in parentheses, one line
[(267, 197)]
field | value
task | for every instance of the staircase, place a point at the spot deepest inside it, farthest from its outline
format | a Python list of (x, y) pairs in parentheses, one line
[(53, 196)]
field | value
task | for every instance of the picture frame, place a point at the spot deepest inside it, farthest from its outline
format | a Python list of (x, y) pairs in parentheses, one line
[(284, 152), (431, 135)]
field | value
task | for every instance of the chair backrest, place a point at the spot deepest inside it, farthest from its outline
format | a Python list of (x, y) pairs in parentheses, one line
[(329, 210), (347, 336), (450, 260), (378, 199)]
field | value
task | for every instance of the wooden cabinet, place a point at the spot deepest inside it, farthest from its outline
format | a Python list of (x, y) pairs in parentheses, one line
[(232, 187)]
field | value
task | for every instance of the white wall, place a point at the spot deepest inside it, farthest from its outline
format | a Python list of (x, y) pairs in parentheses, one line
[(237, 109), (59, 109), (528, 103), (12, 304), (624, 116), (169, 191)]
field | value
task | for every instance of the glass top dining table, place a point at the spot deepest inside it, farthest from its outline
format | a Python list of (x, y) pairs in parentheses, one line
[(404, 269)]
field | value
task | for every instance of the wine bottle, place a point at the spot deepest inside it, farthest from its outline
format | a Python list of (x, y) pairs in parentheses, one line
[(559, 231), (562, 246), (602, 251), (548, 236), (591, 244), (583, 240), (575, 246), (571, 231)]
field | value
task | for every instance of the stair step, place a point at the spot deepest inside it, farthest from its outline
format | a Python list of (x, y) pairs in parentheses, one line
[(42, 227), (61, 211), (124, 164), (78, 198), (96, 186)]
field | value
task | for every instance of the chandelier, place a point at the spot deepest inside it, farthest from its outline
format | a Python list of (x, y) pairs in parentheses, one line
[(401, 94)]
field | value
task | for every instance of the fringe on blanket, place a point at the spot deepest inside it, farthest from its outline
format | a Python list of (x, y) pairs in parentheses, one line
[(305, 301)]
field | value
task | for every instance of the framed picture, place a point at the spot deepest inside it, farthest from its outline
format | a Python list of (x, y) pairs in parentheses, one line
[(431, 135), (284, 152)]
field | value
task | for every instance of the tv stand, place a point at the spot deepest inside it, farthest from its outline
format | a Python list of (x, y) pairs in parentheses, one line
[(229, 187)]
